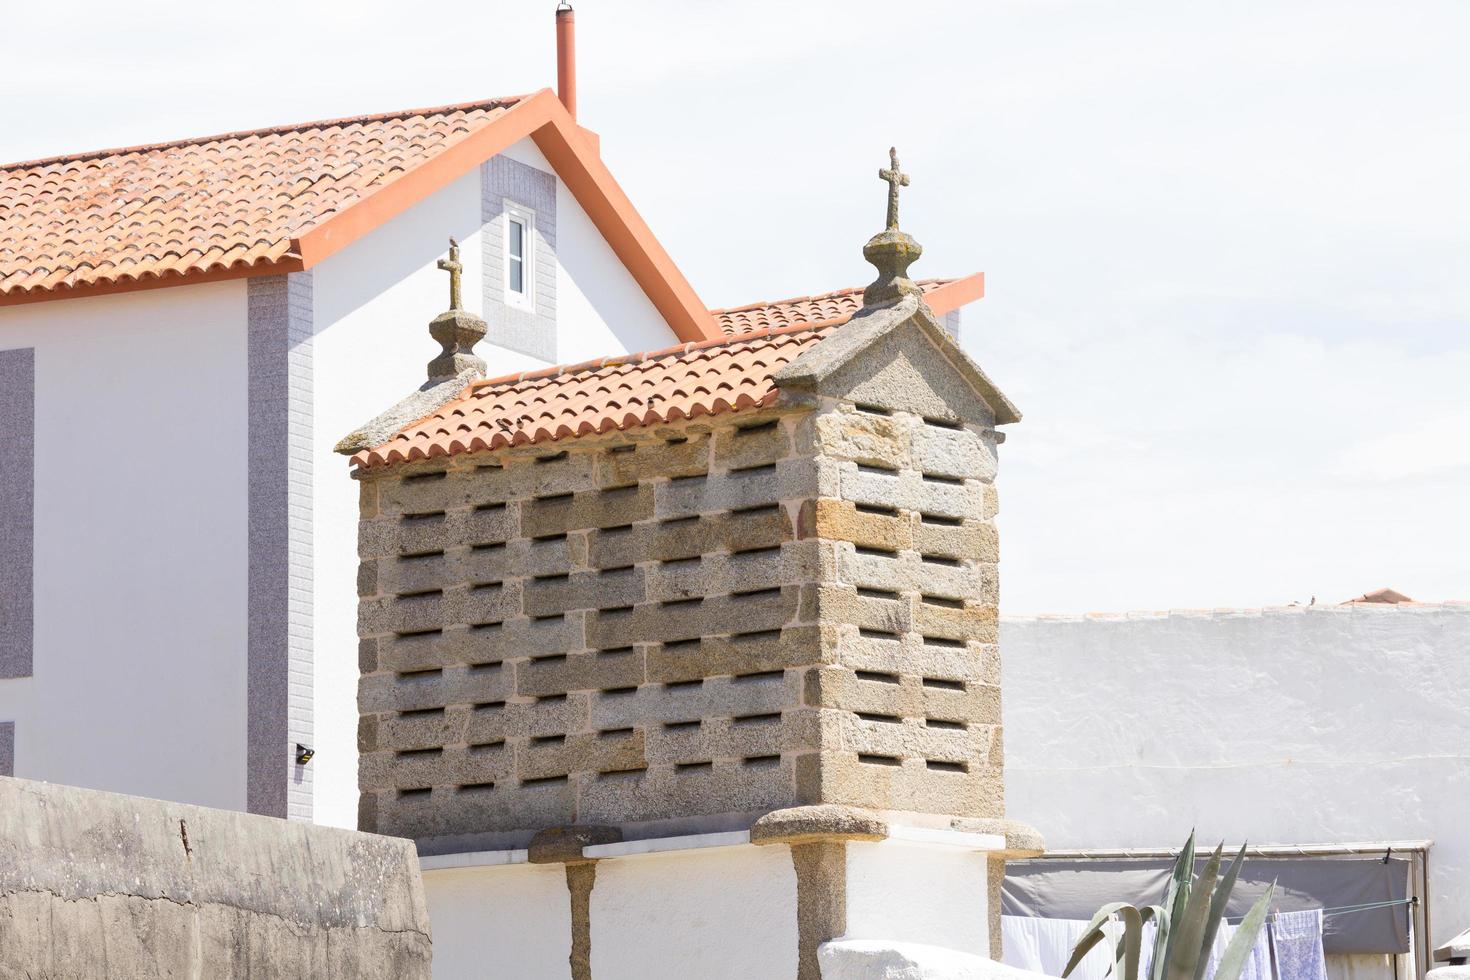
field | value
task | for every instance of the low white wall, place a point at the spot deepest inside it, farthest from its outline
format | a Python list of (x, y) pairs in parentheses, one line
[(1282, 726), (501, 922), (716, 912), (915, 893), (140, 544)]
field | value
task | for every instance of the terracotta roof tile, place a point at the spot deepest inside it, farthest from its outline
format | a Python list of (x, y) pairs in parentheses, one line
[(838, 306), (707, 378), (207, 204)]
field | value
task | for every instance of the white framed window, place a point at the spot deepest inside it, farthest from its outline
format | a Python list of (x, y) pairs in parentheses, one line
[(520, 256)]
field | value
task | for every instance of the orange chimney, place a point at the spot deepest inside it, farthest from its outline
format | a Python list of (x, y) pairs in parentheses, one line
[(566, 57)]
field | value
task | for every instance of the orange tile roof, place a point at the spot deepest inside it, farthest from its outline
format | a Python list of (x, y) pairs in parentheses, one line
[(838, 305), (1379, 595), (633, 390), (213, 204)]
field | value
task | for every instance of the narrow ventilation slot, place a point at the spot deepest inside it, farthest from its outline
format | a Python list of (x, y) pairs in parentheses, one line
[(763, 719), (878, 760), (938, 765), (760, 675), (885, 719), (411, 754), (940, 684), (878, 676)]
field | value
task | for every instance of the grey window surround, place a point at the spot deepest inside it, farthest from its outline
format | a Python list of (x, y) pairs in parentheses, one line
[(18, 512), (280, 659), (526, 331)]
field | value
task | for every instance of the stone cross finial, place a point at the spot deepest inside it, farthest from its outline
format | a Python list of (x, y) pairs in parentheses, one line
[(896, 179), (452, 266), (891, 251)]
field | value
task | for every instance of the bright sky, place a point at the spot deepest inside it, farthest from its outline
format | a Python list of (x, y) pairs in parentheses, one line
[(1227, 246)]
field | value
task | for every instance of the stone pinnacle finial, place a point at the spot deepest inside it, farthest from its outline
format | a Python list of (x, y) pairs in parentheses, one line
[(891, 251), (456, 329)]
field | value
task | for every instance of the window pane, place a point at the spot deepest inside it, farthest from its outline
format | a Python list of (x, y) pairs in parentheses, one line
[(517, 240), (516, 275)]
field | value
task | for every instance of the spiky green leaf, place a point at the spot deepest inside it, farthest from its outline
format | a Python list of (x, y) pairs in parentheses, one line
[(1217, 913), (1184, 951), (1093, 934), (1175, 900), (1129, 946), (1239, 948)]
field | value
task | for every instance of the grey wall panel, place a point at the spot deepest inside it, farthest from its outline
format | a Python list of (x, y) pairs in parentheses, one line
[(280, 672), (17, 511), (530, 332)]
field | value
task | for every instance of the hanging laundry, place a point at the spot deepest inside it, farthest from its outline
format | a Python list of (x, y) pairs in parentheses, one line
[(1296, 939), (1257, 965)]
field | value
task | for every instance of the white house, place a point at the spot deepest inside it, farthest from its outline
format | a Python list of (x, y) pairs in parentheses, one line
[(186, 329)]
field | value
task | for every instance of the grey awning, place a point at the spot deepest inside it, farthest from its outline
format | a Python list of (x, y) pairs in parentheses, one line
[(1075, 889)]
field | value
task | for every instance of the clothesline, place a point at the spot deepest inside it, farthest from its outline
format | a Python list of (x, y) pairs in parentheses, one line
[(1346, 909)]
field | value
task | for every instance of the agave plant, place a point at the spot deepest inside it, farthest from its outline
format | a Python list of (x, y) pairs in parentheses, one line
[(1186, 925)]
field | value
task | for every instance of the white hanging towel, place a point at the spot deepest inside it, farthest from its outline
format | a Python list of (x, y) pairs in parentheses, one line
[(1296, 939), (1257, 965), (1045, 946)]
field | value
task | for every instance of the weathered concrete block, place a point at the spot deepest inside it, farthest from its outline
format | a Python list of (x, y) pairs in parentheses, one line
[(100, 885)]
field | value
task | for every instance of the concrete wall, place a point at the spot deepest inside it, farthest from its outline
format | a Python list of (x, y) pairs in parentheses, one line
[(99, 885), (373, 302), (1284, 726), (138, 680)]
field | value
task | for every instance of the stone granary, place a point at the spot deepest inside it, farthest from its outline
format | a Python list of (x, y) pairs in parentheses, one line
[(737, 587)]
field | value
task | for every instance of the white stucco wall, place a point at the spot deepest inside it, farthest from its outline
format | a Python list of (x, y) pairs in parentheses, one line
[(500, 922), (716, 912), (373, 302), (1283, 726), (915, 893), (140, 544)]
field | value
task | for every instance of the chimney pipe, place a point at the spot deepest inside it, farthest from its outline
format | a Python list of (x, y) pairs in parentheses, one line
[(566, 57)]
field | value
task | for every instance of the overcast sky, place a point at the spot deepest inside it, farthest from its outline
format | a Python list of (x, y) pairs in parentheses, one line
[(1227, 246)]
